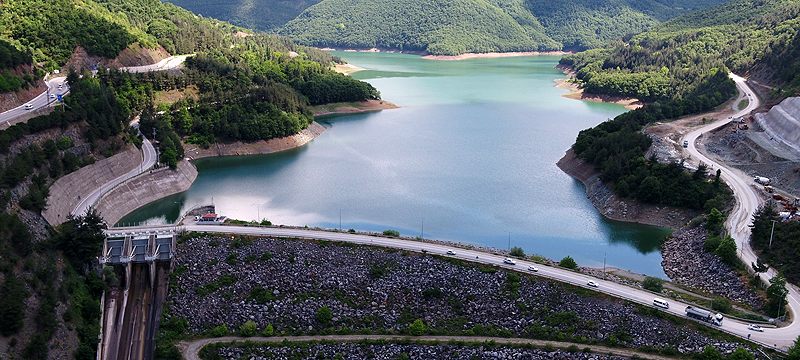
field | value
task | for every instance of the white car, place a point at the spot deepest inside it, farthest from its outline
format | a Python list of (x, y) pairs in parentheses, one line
[(509, 261), (28, 106), (754, 327), (686, 143), (451, 252), (592, 283), (533, 268), (52, 96)]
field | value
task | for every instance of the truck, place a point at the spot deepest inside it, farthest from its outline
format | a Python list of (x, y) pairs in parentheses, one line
[(761, 180), (704, 315)]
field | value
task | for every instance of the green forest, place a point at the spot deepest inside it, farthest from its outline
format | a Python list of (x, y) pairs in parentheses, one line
[(263, 15), (453, 27), (742, 36), (786, 240)]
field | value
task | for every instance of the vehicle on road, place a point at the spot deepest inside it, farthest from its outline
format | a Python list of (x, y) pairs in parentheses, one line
[(52, 96), (509, 261), (761, 180), (686, 143), (451, 252), (661, 303), (592, 283), (754, 327), (28, 106), (533, 268), (704, 315)]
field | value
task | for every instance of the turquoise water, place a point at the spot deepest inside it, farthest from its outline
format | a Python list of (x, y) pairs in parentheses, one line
[(470, 156)]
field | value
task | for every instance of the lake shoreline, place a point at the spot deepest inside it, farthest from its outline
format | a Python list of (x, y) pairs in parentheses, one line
[(493, 55), (615, 208), (577, 93)]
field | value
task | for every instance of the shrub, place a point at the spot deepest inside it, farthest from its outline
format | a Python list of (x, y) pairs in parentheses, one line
[(417, 328), (324, 315), (261, 296), (727, 250), (248, 329), (517, 252), (653, 284), (712, 243), (268, 331), (568, 262), (219, 331), (721, 304), (391, 233)]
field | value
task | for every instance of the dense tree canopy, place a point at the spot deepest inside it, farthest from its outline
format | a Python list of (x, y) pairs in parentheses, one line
[(455, 27)]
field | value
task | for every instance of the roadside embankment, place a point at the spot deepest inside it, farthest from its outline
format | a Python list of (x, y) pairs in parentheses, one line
[(352, 107), (577, 93), (613, 207), (10, 100), (145, 188), (67, 191), (493, 55), (258, 147)]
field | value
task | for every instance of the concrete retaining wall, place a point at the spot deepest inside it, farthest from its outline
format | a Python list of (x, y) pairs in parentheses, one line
[(67, 191), (145, 189)]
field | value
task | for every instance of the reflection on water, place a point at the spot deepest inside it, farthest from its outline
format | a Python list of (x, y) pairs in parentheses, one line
[(470, 156)]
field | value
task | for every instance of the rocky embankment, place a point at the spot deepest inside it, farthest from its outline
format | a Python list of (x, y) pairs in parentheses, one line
[(401, 351), (686, 262), (616, 208), (285, 283), (257, 147)]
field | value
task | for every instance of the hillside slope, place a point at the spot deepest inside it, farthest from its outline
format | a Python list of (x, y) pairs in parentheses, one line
[(238, 86), (454, 27), (673, 59), (255, 14)]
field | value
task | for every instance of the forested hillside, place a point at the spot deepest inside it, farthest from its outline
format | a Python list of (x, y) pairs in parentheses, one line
[(742, 36), (242, 86), (454, 27), (681, 68), (254, 14)]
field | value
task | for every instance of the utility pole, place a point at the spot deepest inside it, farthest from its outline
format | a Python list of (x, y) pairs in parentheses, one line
[(422, 229), (771, 234), (604, 266), (340, 219), (509, 241)]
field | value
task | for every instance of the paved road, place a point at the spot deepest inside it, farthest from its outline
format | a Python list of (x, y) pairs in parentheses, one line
[(44, 99), (747, 201), (637, 295), (38, 102), (148, 160), (169, 63), (192, 349)]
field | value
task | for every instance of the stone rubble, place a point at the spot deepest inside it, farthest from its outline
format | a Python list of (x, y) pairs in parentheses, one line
[(686, 262), (372, 290)]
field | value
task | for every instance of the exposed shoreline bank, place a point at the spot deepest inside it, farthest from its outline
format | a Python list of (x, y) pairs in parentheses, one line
[(612, 207), (577, 93), (493, 55)]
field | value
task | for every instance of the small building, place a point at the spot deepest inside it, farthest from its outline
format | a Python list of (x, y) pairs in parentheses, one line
[(210, 219)]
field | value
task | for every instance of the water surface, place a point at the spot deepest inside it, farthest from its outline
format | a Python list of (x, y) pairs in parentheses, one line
[(470, 156)]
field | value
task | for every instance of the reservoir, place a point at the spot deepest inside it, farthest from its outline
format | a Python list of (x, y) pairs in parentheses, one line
[(469, 156)]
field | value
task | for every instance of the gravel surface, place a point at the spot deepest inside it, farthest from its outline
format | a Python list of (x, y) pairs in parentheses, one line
[(401, 351), (372, 290), (686, 262)]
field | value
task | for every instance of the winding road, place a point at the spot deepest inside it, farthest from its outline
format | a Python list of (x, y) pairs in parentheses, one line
[(44, 100), (149, 158), (40, 101), (747, 202)]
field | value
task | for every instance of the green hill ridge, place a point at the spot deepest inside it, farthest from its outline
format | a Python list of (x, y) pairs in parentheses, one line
[(458, 26)]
